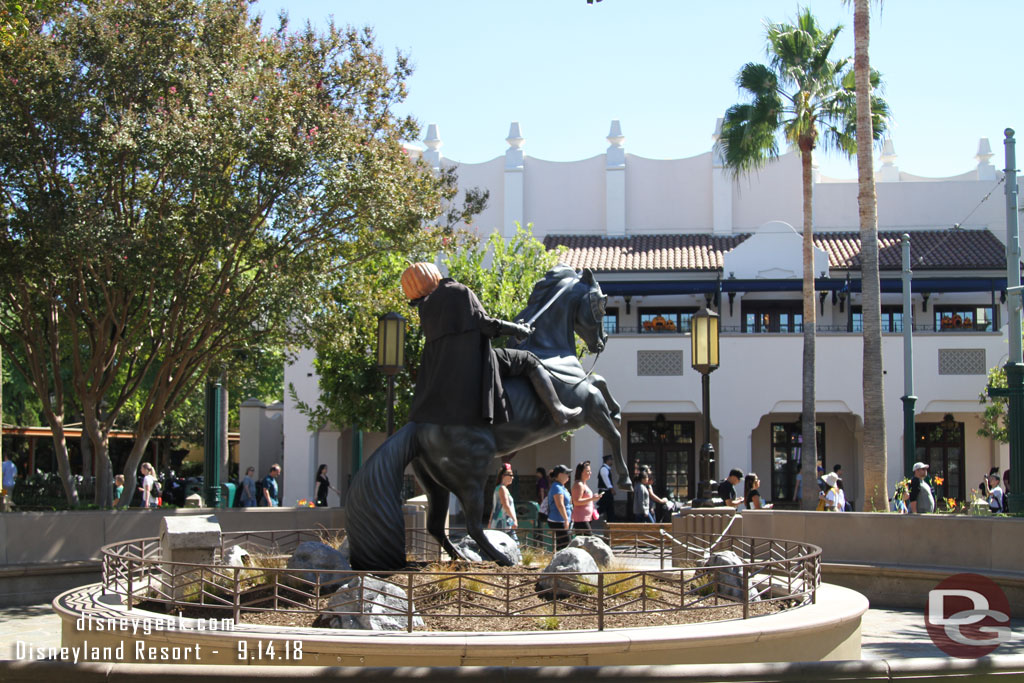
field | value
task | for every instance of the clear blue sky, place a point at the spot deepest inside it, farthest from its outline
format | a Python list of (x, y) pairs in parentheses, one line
[(666, 68)]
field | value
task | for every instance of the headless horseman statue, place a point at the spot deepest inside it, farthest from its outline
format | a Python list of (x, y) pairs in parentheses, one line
[(459, 380)]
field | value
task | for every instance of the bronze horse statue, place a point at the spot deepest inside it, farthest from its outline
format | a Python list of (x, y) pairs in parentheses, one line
[(457, 459)]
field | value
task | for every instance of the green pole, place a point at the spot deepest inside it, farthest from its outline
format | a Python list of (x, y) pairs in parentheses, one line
[(909, 400), (212, 444), (357, 449), (1014, 366)]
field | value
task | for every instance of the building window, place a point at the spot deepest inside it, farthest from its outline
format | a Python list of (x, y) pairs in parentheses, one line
[(611, 321), (963, 317), (787, 449), (766, 316), (660, 320), (892, 319)]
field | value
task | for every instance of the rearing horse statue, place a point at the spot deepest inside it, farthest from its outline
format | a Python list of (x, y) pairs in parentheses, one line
[(457, 459)]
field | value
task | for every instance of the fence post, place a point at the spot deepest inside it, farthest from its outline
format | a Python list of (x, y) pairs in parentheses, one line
[(237, 597), (409, 602), (600, 601), (746, 591), (129, 596)]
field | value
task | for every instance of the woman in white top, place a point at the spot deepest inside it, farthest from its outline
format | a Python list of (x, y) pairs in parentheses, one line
[(148, 499)]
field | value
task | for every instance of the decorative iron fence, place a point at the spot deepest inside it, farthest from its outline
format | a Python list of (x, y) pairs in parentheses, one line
[(772, 571)]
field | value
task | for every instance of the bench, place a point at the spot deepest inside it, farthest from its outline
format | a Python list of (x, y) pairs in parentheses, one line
[(639, 534)]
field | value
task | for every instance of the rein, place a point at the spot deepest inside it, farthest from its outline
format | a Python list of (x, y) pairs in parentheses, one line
[(563, 287)]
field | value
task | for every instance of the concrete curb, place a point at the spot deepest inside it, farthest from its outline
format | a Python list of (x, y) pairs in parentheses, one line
[(963, 671)]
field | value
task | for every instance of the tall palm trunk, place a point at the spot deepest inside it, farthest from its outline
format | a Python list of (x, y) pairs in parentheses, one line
[(810, 443), (873, 458)]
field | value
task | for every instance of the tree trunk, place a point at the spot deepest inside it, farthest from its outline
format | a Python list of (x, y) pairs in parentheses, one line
[(60, 448), (809, 452), (873, 458)]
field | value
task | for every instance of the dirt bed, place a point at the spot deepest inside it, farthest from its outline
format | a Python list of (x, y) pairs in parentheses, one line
[(463, 598)]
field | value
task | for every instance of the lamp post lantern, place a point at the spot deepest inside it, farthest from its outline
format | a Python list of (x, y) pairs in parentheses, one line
[(391, 356), (704, 328)]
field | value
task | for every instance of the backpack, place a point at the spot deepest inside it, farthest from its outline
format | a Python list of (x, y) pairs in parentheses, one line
[(156, 490), (260, 499)]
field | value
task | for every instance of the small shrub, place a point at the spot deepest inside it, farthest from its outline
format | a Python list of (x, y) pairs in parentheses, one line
[(548, 623), (331, 537), (534, 556)]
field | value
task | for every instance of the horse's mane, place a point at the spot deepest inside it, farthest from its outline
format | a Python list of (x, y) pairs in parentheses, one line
[(545, 287)]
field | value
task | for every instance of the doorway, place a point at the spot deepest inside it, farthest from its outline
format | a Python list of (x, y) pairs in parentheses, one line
[(666, 447)]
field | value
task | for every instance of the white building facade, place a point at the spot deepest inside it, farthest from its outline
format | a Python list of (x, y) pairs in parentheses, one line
[(668, 237)]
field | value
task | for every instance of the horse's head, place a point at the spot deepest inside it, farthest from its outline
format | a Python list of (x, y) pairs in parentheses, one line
[(589, 322), (564, 304)]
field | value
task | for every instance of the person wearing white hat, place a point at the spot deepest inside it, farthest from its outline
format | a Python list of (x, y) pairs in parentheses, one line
[(920, 498), (832, 493)]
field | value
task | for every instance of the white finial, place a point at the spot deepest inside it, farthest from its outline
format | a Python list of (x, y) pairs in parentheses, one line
[(888, 152), (433, 140), (986, 171), (515, 137), (717, 155), (888, 173), (616, 153), (984, 151), (718, 129), (615, 136), (432, 155), (514, 153)]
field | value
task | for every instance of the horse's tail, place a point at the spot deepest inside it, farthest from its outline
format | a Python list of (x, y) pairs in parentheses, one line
[(373, 510)]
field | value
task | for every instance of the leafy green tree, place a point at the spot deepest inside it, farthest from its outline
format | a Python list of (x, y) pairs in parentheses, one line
[(806, 98), (994, 423), (352, 390), (179, 184)]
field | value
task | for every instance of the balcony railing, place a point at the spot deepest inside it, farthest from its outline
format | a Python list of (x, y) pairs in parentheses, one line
[(623, 330)]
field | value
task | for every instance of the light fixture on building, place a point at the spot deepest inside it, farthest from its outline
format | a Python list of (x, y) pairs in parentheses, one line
[(391, 356), (704, 329)]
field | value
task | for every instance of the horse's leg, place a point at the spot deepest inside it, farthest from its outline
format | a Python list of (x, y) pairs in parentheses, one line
[(437, 508), (600, 419), (613, 407), (459, 459)]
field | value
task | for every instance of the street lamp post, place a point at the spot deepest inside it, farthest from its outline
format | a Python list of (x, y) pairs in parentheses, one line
[(704, 328), (391, 356)]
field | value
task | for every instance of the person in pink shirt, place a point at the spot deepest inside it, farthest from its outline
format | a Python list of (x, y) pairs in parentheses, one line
[(583, 499)]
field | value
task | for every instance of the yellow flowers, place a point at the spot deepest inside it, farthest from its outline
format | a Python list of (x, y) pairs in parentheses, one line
[(303, 503), (951, 503), (938, 480)]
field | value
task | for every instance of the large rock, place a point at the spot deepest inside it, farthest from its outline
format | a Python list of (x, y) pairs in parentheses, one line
[(729, 578), (315, 555), (505, 544), (237, 556), (568, 561), (598, 549), (384, 607)]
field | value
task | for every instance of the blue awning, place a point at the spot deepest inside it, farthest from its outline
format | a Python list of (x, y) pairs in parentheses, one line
[(669, 287)]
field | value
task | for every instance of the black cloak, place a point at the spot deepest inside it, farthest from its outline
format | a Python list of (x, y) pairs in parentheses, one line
[(458, 381)]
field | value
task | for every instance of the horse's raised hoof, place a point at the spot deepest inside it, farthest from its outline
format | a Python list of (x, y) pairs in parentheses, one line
[(564, 415)]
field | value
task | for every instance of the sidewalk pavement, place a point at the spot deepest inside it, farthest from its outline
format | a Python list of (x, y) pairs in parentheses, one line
[(885, 633)]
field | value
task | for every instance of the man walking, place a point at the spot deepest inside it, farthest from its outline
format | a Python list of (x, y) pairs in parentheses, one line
[(920, 499), (606, 505)]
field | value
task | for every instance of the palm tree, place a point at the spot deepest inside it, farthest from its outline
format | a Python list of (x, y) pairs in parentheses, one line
[(873, 460), (808, 99)]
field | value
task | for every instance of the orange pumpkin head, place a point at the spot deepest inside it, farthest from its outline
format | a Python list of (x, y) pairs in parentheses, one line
[(420, 279)]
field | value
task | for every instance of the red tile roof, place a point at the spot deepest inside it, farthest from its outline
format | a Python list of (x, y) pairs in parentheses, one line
[(953, 249), (647, 253)]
